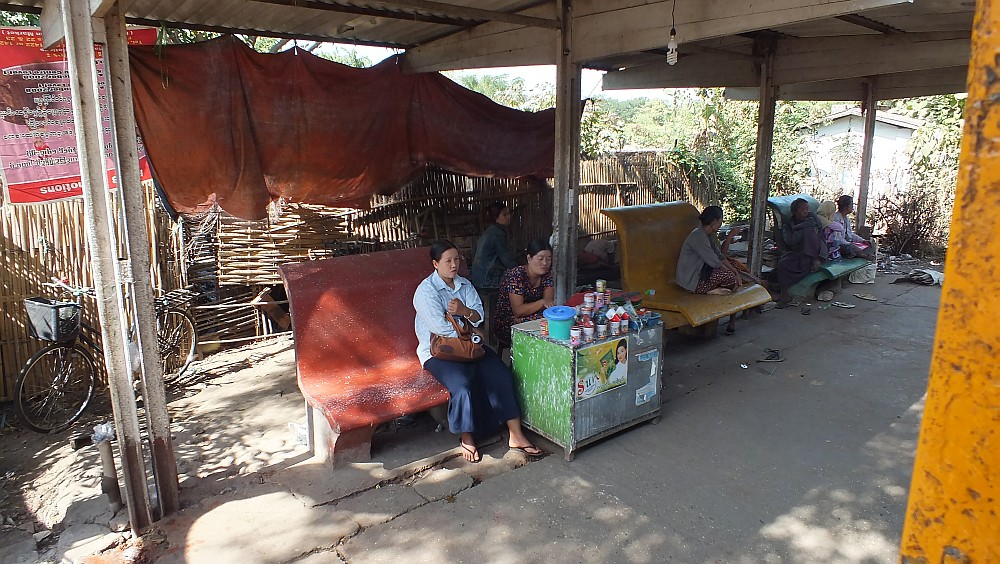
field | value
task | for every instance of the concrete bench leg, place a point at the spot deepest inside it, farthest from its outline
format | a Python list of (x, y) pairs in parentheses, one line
[(337, 448)]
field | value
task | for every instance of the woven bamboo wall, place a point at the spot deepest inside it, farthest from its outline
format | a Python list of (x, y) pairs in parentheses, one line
[(38, 242), (628, 179)]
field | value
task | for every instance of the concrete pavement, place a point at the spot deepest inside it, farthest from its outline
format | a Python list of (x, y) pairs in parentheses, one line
[(806, 460)]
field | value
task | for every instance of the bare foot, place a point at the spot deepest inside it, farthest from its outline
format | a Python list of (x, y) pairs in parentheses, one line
[(720, 292), (469, 451)]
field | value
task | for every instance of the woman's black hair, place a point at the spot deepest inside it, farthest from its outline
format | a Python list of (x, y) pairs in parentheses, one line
[(493, 210), (797, 203), (621, 343), (538, 245), (438, 248), (711, 213), (845, 202)]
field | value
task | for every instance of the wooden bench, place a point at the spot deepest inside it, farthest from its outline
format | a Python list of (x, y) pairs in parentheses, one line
[(355, 349), (831, 270), (650, 239)]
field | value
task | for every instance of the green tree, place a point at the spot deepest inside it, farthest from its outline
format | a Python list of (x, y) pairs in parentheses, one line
[(18, 19), (500, 88)]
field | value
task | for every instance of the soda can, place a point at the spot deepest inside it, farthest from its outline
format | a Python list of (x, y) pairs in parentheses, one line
[(588, 333), (543, 327), (601, 284), (574, 335), (588, 299), (598, 300), (614, 327), (602, 331)]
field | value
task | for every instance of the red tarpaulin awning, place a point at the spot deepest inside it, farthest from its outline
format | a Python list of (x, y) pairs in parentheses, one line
[(223, 123)]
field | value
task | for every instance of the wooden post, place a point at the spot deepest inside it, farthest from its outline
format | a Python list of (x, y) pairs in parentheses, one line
[(567, 153), (870, 109), (952, 514), (762, 163), (136, 229), (100, 238)]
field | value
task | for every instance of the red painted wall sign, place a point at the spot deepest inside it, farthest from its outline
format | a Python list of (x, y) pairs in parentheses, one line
[(37, 136)]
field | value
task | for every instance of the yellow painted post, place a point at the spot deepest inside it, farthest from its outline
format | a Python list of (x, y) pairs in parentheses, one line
[(954, 509)]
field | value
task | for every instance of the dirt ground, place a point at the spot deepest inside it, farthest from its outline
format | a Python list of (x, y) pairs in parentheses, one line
[(226, 437), (221, 432)]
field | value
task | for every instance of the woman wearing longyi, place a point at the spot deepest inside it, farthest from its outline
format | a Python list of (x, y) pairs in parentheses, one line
[(702, 266), (526, 290), (482, 391)]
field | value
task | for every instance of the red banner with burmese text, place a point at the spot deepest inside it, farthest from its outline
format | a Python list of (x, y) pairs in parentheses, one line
[(37, 136)]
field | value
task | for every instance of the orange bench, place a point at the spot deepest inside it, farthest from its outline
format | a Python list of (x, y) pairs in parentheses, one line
[(355, 350), (650, 238)]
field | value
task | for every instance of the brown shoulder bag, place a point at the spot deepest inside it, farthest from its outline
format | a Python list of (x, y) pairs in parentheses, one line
[(466, 347)]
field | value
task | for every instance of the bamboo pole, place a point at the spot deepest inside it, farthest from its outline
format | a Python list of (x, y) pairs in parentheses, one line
[(87, 117)]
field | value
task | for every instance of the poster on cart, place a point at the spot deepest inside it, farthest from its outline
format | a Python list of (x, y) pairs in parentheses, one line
[(37, 136), (601, 367)]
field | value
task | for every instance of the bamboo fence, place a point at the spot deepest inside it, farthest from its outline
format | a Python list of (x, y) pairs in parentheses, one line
[(228, 261), (40, 241)]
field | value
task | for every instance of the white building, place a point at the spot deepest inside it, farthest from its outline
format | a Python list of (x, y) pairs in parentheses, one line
[(835, 150)]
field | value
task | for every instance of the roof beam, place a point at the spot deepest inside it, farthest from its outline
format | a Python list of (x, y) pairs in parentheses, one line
[(868, 23), (426, 11), (374, 12), (800, 60), (604, 29), (493, 44), (604, 32), (830, 58), (474, 13), (890, 87)]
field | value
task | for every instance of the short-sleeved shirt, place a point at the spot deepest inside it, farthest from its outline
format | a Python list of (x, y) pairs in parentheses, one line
[(515, 281)]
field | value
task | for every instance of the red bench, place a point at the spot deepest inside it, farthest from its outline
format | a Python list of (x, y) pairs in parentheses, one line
[(355, 350)]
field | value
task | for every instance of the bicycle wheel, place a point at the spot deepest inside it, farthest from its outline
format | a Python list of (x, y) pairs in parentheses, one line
[(176, 340), (55, 387)]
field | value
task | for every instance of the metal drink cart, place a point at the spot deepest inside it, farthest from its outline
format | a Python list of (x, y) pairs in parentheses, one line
[(574, 396)]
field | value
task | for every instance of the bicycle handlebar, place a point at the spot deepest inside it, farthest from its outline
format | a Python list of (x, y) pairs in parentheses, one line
[(74, 290)]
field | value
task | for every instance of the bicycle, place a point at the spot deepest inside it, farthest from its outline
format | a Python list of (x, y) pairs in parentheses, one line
[(57, 383)]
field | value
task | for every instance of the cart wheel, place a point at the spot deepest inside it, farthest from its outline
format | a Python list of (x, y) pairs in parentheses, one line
[(568, 455)]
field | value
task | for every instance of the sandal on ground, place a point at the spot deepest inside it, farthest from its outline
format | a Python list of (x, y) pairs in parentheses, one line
[(772, 355), (844, 305), (729, 331), (805, 310), (868, 297), (538, 453), (473, 453)]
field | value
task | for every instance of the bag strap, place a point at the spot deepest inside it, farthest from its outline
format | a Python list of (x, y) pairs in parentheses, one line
[(461, 328)]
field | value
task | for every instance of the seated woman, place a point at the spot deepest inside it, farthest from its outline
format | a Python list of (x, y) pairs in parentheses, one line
[(526, 290), (482, 392), (804, 249), (833, 232), (493, 253), (703, 267)]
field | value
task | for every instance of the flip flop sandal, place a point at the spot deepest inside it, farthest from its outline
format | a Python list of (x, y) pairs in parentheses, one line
[(844, 305), (868, 297), (474, 451), (806, 311), (524, 450), (771, 355)]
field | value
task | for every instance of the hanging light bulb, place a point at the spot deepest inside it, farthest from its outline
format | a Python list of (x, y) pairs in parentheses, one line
[(672, 48)]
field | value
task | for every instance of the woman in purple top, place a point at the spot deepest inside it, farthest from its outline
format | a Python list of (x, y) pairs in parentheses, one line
[(526, 290)]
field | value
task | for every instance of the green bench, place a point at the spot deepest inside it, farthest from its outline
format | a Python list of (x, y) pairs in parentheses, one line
[(781, 212)]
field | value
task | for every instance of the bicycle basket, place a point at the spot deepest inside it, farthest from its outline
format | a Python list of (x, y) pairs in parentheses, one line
[(51, 320)]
